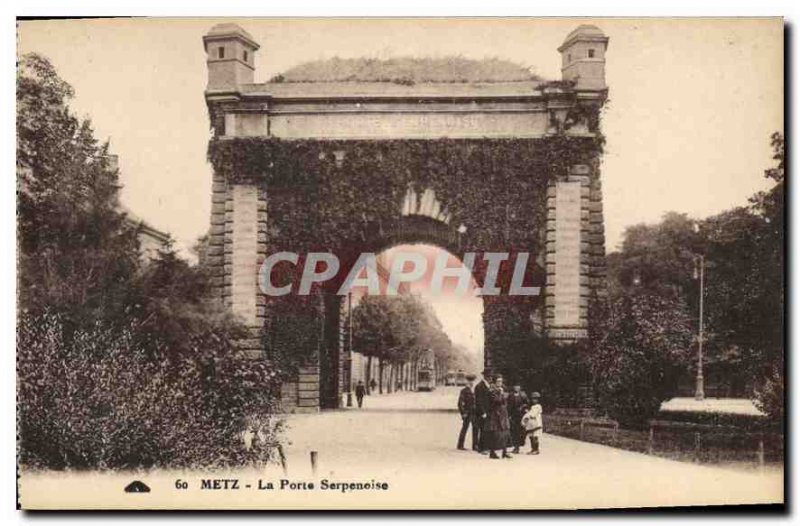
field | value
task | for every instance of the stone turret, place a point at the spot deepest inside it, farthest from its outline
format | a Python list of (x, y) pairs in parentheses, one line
[(231, 57), (583, 58)]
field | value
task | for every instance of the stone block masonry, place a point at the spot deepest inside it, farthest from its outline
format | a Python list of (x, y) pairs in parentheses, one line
[(243, 242), (575, 251)]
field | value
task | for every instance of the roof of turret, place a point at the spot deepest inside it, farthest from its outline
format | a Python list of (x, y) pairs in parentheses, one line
[(230, 30), (584, 32)]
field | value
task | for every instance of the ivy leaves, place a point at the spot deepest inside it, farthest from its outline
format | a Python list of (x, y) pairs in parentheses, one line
[(327, 194)]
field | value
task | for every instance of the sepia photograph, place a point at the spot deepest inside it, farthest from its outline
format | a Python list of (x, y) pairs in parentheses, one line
[(466, 263)]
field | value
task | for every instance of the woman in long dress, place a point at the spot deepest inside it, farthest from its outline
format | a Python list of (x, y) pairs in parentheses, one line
[(497, 434), (517, 404)]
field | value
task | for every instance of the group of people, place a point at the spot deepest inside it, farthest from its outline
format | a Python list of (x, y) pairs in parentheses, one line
[(499, 419)]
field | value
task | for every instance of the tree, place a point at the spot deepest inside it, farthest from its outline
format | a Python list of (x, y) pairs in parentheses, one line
[(656, 258), (769, 304), (740, 310), (376, 331), (77, 252), (639, 347), (744, 299), (119, 365), (399, 329)]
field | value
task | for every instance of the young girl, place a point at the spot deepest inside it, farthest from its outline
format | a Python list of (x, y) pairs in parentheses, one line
[(532, 422)]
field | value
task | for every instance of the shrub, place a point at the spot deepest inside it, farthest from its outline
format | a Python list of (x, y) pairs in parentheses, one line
[(407, 70), (94, 399), (557, 371), (640, 345), (769, 394)]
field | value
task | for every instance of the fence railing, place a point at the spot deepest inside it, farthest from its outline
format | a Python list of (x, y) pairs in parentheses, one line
[(600, 423), (695, 442)]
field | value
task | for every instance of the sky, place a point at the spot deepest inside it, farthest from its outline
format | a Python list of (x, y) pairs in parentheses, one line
[(691, 103), (460, 313)]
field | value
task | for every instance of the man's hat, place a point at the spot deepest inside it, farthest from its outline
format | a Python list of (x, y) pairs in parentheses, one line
[(536, 395), (470, 377)]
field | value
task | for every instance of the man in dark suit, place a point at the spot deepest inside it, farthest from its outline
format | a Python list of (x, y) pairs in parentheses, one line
[(466, 406), (361, 390), (482, 407)]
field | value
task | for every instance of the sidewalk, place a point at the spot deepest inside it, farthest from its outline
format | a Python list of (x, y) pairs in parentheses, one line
[(409, 440), (738, 406)]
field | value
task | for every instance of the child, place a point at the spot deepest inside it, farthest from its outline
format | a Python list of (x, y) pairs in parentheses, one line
[(532, 422)]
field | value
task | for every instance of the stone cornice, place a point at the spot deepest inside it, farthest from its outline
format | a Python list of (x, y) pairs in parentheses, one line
[(367, 111), (249, 101)]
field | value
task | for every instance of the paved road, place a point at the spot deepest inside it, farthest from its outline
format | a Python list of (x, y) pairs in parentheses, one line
[(409, 440), (440, 399)]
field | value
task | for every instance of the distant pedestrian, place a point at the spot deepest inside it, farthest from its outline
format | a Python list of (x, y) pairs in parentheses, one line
[(466, 407), (517, 406), (532, 422), (361, 390), (482, 406), (372, 385), (496, 428)]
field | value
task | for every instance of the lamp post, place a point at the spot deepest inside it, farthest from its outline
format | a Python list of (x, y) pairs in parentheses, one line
[(700, 271), (461, 230), (350, 349)]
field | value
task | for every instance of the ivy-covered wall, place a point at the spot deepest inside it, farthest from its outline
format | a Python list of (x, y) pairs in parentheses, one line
[(345, 196), (327, 194)]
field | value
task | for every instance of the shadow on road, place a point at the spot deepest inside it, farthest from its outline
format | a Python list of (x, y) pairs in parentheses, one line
[(393, 410)]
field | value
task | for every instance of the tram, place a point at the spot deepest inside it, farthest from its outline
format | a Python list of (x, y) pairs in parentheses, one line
[(461, 378), (450, 378), (426, 380)]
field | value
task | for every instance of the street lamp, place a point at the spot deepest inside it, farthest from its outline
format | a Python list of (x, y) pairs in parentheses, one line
[(699, 272), (350, 350)]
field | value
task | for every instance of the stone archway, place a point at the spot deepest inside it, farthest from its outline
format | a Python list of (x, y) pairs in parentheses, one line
[(417, 226), (349, 167)]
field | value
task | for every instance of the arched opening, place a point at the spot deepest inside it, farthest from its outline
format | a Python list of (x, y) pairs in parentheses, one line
[(473, 331), (423, 230), (419, 338)]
